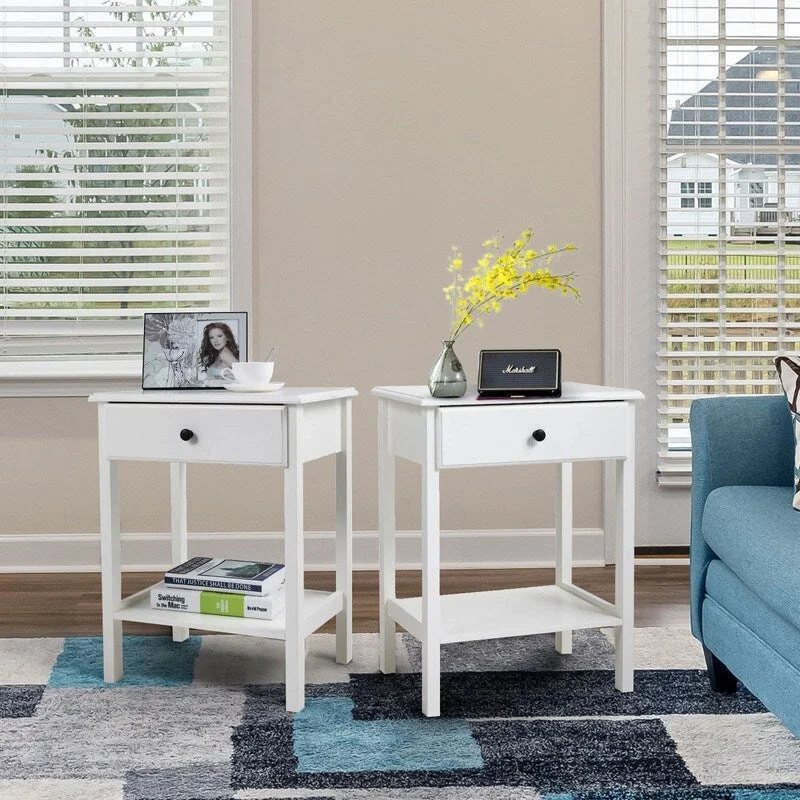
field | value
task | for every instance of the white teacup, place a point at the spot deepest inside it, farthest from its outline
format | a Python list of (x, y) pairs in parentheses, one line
[(253, 373)]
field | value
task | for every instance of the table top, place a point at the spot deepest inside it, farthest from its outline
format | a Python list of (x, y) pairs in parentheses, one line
[(288, 396), (570, 393)]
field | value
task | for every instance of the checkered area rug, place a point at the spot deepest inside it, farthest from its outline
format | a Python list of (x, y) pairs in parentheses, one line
[(205, 720)]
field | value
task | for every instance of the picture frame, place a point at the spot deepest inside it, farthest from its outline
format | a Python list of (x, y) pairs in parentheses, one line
[(189, 350)]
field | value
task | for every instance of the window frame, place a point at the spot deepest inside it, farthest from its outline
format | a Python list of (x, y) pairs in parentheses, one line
[(631, 167), (767, 197), (632, 171), (79, 377), (688, 194)]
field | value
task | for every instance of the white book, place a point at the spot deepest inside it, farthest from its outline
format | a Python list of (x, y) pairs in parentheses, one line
[(226, 604)]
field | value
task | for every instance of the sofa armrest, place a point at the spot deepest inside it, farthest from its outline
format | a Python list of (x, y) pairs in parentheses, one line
[(736, 441)]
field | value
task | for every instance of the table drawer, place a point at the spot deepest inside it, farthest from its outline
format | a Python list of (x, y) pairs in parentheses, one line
[(504, 434), (221, 434)]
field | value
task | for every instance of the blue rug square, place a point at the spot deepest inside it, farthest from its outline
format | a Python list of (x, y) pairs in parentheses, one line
[(328, 739), (147, 661)]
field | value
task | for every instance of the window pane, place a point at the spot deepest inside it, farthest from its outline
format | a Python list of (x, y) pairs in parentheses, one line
[(751, 18), (730, 204), (696, 19), (115, 160)]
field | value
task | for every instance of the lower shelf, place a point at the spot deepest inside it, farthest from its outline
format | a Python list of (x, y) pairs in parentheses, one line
[(318, 608), (508, 612)]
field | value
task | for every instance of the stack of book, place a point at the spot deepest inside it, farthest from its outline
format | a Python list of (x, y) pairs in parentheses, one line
[(223, 586)]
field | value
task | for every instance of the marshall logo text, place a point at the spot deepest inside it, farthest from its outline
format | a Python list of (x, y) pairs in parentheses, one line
[(512, 370)]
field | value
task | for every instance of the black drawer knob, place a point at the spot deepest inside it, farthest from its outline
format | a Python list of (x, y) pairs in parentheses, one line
[(539, 435), (187, 435)]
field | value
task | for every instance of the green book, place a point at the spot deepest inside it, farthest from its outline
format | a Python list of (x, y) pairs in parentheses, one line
[(226, 604)]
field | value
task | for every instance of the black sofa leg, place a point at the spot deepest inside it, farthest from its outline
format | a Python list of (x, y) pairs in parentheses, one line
[(721, 678)]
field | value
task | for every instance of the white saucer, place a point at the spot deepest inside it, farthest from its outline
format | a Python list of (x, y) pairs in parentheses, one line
[(253, 387)]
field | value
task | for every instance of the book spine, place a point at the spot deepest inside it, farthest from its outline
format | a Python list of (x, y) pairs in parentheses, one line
[(239, 587), (164, 597), (263, 608), (216, 603), (272, 584)]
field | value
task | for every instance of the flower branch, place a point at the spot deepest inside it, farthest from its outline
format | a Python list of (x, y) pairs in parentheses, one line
[(502, 275)]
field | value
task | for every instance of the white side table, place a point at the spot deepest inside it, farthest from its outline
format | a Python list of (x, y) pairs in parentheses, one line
[(283, 429), (585, 423)]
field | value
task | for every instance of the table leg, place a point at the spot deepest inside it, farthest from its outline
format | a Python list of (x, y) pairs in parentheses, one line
[(431, 600), (293, 548), (110, 566), (344, 538), (623, 635), (386, 544), (564, 543), (180, 553)]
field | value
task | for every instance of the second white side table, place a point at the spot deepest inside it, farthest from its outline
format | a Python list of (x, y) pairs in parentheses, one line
[(586, 423)]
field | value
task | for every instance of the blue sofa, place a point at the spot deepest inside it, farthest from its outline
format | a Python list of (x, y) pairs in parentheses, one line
[(745, 549)]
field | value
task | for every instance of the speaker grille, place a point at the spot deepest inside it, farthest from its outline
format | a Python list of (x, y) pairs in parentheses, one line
[(511, 370)]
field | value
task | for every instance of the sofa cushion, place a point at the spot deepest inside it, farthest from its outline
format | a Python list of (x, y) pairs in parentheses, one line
[(730, 593), (789, 372), (756, 533)]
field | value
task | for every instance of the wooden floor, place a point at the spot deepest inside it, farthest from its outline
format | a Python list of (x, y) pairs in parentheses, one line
[(68, 604)]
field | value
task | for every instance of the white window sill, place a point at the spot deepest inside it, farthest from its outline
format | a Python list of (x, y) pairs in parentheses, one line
[(68, 378)]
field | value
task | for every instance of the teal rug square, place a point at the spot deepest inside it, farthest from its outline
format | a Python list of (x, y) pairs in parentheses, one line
[(147, 661), (328, 739)]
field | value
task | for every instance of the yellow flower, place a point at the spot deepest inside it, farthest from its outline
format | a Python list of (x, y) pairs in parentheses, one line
[(501, 276)]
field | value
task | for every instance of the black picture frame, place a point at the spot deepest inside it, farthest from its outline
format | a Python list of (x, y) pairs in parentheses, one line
[(177, 347)]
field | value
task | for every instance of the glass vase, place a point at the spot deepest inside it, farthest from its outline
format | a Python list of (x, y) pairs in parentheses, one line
[(447, 378)]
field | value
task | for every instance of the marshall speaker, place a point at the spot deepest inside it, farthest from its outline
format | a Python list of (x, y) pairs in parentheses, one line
[(519, 373)]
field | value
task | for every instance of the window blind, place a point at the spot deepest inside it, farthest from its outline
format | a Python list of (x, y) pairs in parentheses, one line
[(729, 206), (115, 164)]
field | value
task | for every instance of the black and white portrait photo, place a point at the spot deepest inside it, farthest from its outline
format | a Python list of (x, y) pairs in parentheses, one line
[(191, 350)]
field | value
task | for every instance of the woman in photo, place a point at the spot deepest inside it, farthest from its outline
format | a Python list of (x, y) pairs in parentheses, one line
[(218, 349)]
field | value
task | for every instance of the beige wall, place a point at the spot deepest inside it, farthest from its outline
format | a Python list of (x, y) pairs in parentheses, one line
[(385, 131)]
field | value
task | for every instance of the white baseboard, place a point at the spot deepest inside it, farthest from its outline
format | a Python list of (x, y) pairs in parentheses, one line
[(150, 552)]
